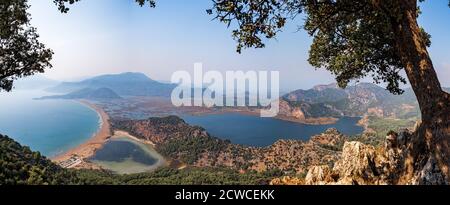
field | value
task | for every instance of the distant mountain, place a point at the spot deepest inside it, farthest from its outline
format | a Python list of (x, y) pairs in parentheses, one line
[(34, 82), (124, 84), (357, 100), (87, 93)]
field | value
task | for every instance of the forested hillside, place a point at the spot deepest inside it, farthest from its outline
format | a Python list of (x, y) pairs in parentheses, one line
[(20, 165)]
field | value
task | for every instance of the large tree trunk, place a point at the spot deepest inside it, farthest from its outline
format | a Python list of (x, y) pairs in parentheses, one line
[(432, 136)]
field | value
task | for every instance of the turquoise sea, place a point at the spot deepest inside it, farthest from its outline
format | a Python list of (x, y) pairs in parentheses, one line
[(49, 126)]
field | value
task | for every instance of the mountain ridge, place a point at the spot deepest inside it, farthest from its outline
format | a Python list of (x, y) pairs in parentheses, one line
[(86, 93), (124, 84), (356, 100)]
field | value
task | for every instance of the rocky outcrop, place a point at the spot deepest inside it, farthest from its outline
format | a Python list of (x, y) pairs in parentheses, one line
[(331, 138), (287, 180), (290, 111), (318, 175), (299, 112), (293, 156), (357, 163), (362, 164)]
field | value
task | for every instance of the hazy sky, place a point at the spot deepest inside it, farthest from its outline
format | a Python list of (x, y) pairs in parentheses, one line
[(113, 36)]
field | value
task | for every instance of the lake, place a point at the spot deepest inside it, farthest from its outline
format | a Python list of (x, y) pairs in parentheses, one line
[(126, 156), (256, 131), (48, 126)]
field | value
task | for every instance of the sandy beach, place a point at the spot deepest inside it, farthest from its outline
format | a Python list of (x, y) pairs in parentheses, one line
[(121, 133), (88, 148)]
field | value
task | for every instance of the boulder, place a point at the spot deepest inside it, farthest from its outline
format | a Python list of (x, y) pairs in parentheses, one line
[(357, 163), (318, 175)]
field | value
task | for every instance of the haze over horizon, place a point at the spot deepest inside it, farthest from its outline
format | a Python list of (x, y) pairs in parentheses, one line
[(103, 37)]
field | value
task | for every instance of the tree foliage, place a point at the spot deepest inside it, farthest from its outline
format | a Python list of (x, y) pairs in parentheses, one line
[(352, 38), (21, 166), (21, 53), (62, 4)]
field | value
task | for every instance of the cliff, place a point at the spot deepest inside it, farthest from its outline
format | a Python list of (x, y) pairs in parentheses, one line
[(361, 164)]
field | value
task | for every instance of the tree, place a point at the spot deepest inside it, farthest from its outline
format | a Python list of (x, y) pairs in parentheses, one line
[(64, 9), (21, 54), (354, 39)]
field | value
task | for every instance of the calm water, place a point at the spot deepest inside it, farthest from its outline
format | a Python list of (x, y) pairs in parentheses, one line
[(257, 131), (48, 126), (121, 150), (125, 156)]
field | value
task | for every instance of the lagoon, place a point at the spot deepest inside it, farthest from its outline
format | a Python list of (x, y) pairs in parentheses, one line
[(256, 131), (126, 156)]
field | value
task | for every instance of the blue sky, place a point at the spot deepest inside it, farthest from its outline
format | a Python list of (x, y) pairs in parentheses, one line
[(113, 36)]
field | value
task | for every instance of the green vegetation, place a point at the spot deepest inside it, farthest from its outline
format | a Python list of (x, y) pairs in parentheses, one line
[(380, 127), (188, 176), (21, 53), (175, 138), (20, 165), (337, 147), (313, 109), (189, 149)]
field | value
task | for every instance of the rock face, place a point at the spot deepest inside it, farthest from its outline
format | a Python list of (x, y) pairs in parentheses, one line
[(357, 163), (287, 181), (356, 166), (318, 175), (362, 164), (289, 111)]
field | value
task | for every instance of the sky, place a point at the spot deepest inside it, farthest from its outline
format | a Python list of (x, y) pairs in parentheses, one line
[(114, 36)]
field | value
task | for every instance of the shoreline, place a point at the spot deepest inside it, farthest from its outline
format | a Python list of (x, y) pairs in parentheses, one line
[(118, 133), (250, 112), (164, 161), (88, 148), (147, 146)]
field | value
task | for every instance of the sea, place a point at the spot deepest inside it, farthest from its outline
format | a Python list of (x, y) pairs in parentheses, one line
[(48, 126)]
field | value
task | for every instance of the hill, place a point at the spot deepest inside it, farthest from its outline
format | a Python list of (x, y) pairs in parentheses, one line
[(124, 84), (87, 93), (19, 166), (357, 100)]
